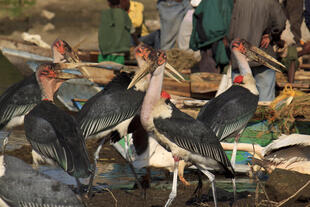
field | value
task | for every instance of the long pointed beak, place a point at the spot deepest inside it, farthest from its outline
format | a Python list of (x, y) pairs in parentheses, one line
[(138, 76), (260, 56), (174, 72), (67, 76), (171, 72), (67, 71)]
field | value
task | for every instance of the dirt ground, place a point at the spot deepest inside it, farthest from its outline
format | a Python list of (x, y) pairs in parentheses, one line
[(154, 197)]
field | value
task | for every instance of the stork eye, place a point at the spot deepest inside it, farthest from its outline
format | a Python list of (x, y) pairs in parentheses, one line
[(162, 57)]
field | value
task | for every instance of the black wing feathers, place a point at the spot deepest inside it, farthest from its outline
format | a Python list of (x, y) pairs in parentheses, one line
[(56, 135), (191, 135), (19, 99), (228, 113), (111, 106)]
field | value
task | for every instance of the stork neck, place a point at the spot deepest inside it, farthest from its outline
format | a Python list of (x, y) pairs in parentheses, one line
[(243, 64), (48, 87), (152, 95)]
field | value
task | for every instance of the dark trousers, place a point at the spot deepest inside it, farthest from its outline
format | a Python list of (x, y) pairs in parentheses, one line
[(207, 62), (294, 13)]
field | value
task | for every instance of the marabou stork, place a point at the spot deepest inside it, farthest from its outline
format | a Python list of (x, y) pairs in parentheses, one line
[(54, 134), (21, 185), (228, 114), (107, 112), (187, 139), (21, 97), (147, 152), (111, 110)]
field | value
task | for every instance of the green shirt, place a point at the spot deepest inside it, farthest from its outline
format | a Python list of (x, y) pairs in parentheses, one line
[(114, 31), (210, 25)]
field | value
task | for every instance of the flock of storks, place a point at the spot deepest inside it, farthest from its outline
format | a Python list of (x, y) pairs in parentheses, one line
[(130, 103)]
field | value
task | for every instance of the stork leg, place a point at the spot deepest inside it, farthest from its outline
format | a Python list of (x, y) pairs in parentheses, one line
[(234, 152), (79, 187), (197, 192), (90, 184), (233, 160), (96, 154), (173, 193), (212, 180), (129, 160)]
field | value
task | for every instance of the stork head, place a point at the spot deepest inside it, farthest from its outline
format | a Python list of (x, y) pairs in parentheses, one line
[(243, 50), (154, 62), (62, 52), (51, 75)]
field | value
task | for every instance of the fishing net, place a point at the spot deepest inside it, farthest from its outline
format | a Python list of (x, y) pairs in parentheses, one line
[(181, 59), (282, 113)]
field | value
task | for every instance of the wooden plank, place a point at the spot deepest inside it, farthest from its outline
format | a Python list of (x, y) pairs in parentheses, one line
[(304, 66), (175, 88), (295, 85), (100, 76), (205, 82)]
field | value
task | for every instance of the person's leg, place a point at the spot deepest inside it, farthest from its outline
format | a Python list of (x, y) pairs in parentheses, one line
[(294, 9), (152, 39), (207, 63), (171, 14), (265, 82)]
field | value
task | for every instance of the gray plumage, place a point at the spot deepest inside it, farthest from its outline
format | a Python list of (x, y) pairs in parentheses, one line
[(19, 99), (228, 113), (194, 136), (110, 107), (22, 186), (56, 135)]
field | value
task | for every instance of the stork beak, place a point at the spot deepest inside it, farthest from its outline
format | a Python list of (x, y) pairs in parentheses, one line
[(260, 56), (138, 76), (171, 72), (65, 73), (175, 73)]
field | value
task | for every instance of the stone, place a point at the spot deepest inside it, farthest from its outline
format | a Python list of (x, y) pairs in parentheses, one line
[(284, 183)]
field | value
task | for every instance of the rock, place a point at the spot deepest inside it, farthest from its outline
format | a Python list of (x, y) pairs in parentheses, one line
[(48, 27), (47, 14), (284, 183), (36, 39)]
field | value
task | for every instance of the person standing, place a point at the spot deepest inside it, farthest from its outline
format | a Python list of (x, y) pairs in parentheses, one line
[(115, 30), (209, 34), (260, 22), (171, 14)]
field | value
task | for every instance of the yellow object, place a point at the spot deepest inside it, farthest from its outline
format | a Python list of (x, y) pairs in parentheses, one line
[(286, 96), (135, 14)]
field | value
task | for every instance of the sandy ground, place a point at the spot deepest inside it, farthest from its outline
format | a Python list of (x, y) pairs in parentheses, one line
[(74, 21)]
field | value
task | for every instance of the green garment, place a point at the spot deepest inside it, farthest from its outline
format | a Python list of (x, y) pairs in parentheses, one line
[(292, 55), (210, 25), (114, 58), (114, 31)]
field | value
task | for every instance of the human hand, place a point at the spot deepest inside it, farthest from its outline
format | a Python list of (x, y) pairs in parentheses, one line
[(226, 42), (265, 41), (305, 49)]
